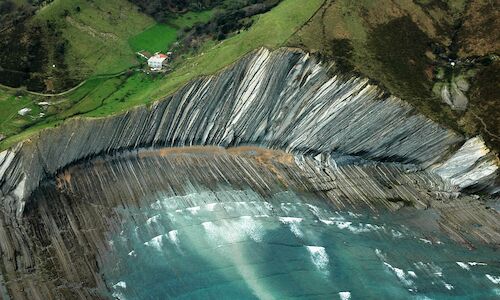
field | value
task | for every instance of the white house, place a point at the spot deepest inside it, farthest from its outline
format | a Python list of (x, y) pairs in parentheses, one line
[(155, 62)]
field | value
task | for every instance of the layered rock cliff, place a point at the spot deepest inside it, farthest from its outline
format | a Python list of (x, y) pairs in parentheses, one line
[(280, 100), (336, 137)]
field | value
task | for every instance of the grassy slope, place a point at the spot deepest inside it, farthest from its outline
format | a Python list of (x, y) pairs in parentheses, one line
[(10, 121), (103, 97), (160, 37), (270, 30), (98, 39)]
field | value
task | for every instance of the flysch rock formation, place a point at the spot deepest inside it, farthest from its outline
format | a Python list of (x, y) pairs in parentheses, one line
[(279, 100), (56, 250), (337, 137)]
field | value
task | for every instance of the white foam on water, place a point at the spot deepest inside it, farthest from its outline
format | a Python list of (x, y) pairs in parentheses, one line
[(425, 241), (284, 208), (155, 242), (494, 279), (400, 274), (463, 265), (448, 286), (345, 295), (193, 210), (338, 217), (496, 291), (268, 205), (289, 220), (119, 296), (156, 205), (412, 274), (235, 230), (132, 253), (250, 227), (173, 237), (430, 268), (473, 263), (354, 215), (356, 229), (361, 228), (153, 219), (211, 206), (342, 224), (380, 254), (121, 284), (262, 216), (396, 234), (314, 210), (293, 223), (211, 230), (327, 222), (319, 257)]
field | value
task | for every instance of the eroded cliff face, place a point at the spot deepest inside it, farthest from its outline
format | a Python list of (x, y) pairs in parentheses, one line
[(279, 100), (64, 191)]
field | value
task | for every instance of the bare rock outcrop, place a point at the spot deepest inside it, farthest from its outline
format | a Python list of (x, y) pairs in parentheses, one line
[(280, 100)]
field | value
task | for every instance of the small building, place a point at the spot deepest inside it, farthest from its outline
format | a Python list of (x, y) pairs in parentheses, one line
[(24, 111), (157, 61)]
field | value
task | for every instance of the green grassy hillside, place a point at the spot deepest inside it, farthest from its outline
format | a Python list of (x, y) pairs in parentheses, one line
[(404, 46), (100, 97), (97, 33)]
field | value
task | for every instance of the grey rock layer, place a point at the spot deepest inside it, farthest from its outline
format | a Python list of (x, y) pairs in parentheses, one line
[(281, 100)]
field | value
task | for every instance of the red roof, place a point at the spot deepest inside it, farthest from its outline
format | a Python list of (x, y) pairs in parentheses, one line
[(161, 55)]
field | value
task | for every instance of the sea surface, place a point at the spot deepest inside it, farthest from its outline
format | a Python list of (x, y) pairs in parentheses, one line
[(236, 244)]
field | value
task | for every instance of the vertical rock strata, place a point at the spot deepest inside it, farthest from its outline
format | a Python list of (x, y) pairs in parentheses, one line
[(279, 100), (56, 250), (339, 138)]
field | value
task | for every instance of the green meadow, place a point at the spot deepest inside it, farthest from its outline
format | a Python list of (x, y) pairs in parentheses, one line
[(157, 38)]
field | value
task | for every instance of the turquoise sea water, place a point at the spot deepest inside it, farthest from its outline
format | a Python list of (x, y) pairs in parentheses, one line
[(237, 245)]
